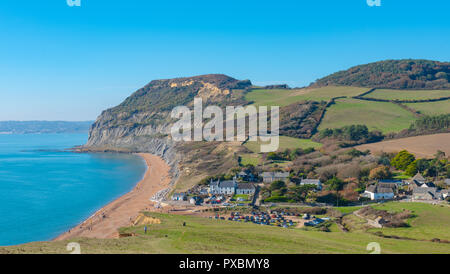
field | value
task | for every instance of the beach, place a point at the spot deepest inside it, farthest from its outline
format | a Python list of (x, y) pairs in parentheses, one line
[(122, 212)]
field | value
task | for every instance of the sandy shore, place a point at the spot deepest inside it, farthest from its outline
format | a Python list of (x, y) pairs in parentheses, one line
[(121, 212)]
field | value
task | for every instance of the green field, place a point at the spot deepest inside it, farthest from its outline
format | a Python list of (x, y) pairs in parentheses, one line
[(389, 94), (284, 97), (250, 159), (431, 222), (383, 116), (203, 236), (285, 143), (431, 108)]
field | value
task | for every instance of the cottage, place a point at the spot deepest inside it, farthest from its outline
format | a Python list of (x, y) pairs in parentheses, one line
[(224, 187), (428, 185), (418, 177), (315, 182), (231, 187), (178, 197), (413, 184), (379, 192), (270, 177), (245, 188), (428, 193), (247, 176)]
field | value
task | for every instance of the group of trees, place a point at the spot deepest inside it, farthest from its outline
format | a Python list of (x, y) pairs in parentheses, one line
[(288, 154), (353, 133)]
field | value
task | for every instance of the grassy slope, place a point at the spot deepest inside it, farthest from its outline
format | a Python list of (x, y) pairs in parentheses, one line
[(390, 94), (386, 117), (285, 142), (432, 221), (283, 97), (202, 235), (432, 108)]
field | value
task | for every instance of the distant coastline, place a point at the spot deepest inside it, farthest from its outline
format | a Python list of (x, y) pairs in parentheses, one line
[(44, 127)]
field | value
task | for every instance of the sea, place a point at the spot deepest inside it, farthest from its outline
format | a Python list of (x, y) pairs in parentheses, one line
[(46, 189)]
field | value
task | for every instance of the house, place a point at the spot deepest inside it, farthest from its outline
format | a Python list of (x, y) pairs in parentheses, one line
[(245, 188), (247, 176), (414, 184), (179, 197), (231, 187), (426, 193), (418, 177), (379, 192), (270, 177), (393, 186), (223, 187), (315, 182), (396, 182), (447, 182)]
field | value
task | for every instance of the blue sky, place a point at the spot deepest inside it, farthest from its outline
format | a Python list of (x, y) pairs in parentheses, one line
[(70, 63)]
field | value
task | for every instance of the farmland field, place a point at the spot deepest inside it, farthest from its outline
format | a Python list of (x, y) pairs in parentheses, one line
[(421, 146), (389, 94), (285, 143), (205, 236), (431, 222), (383, 116), (431, 108), (284, 97)]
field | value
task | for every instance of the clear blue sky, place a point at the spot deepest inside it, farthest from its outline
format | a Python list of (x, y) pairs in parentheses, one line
[(70, 63)]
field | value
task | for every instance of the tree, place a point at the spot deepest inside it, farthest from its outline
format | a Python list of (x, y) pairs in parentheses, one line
[(277, 185), (380, 173), (411, 170), (335, 184), (402, 160)]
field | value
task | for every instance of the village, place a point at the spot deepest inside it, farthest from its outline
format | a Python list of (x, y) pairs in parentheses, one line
[(239, 199)]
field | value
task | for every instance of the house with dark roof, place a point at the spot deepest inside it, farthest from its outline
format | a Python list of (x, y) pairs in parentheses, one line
[(315, 182), (247, 176), (418, 177), (426, 193), (231, 187), (379, 192), (245, 188), (270, 177)]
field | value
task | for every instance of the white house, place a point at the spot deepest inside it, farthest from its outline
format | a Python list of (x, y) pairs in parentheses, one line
[(178, 197), (231, 187), (315, 182), (377, 192)]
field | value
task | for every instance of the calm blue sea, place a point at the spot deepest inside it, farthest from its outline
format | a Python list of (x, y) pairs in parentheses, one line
[(45, 191)]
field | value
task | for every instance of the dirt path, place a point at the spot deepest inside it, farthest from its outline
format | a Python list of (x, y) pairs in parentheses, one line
[(121, 212)]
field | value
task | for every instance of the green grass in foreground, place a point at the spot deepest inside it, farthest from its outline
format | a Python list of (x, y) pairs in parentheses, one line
[(285, 143), (390, 94), (432, 221), (431, 108), (284, 97), (383, 116), (203, 235)]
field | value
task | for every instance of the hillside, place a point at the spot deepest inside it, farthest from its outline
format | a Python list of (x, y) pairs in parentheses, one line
[(39, 127), (203, 235), (392, 74)]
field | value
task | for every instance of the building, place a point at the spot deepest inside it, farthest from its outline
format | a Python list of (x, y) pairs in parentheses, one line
[(247, 176), (428, 185), (315, 182), (426, 193), (245, 188), (419, 178), (379, 192), (179, 197), (231, 187), (447, 182), (270, 177)]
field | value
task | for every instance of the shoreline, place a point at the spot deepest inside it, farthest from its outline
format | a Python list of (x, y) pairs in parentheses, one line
[(121, 212)]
